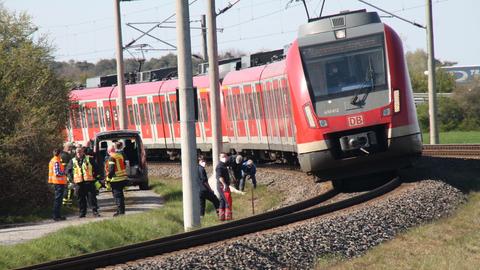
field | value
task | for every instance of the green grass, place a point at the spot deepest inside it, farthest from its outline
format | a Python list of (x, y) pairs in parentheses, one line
[(453, 137), (450, 243), (95, 236)]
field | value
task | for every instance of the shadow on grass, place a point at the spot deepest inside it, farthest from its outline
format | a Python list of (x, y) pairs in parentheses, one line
[(463, 174)]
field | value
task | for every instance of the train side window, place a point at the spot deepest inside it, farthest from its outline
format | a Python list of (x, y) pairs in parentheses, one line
[(266, 99), (88, 113), (95, 117), (236, 106), (130, 115), (143, 121), (158, 116), (243, 109), (166, 112), (153, 119), (200, 109), (228, 101), (173, 107), (135, 114), (205, 110), (102, 117)]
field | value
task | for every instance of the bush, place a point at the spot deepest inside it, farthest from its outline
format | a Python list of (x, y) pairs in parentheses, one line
[(34, 107)]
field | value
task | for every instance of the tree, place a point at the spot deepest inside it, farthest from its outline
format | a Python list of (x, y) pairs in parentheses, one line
[(417, 65), (34, 106)]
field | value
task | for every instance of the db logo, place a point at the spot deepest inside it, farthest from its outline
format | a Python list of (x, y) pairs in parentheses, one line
[(355, 120)]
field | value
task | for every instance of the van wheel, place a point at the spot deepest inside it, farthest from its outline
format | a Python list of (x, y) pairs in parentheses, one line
[(143, 186)]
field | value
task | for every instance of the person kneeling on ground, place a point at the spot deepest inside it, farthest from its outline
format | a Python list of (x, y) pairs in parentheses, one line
[(206, 193), (248, 170)]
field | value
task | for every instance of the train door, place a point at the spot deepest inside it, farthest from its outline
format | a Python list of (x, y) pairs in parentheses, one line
[(101, 115), (161, 127), (109, 115), (288, 111), (91, 114), (175, 124), (238, 114), (132, 117), (281, 106), (204, 115), (76, 122), (145, 127), (250, 113), (261, 123), (230, 119), (167, 120)]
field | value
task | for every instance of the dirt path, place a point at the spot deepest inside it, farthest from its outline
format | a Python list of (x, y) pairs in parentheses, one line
[(136, 201)]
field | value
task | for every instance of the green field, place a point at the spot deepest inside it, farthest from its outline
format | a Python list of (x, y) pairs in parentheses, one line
[(95, 236), (453, 137)]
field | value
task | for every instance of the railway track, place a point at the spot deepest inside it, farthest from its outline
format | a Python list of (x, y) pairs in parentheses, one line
[(452, 150), (283, 216)]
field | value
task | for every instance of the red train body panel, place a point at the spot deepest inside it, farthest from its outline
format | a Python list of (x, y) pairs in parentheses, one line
[(340, 102)]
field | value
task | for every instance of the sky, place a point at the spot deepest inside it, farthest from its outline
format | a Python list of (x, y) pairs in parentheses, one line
[(84, 30)]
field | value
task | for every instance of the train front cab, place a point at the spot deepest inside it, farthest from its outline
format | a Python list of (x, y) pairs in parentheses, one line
[(353, 98), (133, 150)]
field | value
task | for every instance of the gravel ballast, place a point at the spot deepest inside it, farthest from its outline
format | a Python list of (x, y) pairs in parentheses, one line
[(348, 233)]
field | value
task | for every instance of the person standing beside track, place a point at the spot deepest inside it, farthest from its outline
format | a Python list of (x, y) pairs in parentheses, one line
[(56, 176), (117, 177), (235, 163), (66, 156), (83, 169), (206, 193), (223, 185)]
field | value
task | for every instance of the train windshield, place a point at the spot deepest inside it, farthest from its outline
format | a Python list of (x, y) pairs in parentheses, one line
[(337, 69)]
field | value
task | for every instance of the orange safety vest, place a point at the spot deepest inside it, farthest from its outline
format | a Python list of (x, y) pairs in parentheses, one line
[(84, 173), (52, 177), (120, 170)]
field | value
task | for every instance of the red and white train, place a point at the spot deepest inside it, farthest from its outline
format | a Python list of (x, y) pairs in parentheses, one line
[(341, 102)]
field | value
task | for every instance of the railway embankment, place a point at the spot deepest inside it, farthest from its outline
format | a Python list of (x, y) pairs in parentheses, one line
[(434, 189)]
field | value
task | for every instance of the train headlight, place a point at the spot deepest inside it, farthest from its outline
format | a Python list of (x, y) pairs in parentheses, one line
[(310, 116), (323, 123), (340, 34), (396, 101)]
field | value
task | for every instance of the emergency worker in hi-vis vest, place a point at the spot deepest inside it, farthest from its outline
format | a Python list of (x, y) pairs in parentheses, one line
[(56, 177), (117, 177), (83, 170)]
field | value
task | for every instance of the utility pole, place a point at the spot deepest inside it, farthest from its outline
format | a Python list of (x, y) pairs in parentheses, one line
[(214, 81), (191, 203), (204, 38), (120, 71), (432, 95)]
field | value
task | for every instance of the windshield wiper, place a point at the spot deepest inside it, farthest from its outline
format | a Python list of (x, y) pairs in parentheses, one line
[(370, 80)]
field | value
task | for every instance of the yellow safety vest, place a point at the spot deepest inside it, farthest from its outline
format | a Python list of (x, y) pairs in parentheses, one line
[(52, 177), (120, 171), (84, 173)]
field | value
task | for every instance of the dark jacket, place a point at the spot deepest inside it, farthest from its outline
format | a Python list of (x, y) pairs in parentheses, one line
[(202, 179), (222, 171), (236, 168)]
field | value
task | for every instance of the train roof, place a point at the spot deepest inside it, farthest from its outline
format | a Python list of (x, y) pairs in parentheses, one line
[(147, 88), (254, 74)]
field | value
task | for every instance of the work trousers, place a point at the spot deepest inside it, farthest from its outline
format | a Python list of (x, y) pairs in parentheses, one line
[(117, 191), (87, 192), (244, 179), (57, 203), (225, 210), (208, 195)]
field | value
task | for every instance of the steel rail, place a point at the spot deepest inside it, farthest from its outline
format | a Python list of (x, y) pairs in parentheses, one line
[(216, 233), (452, 150)]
